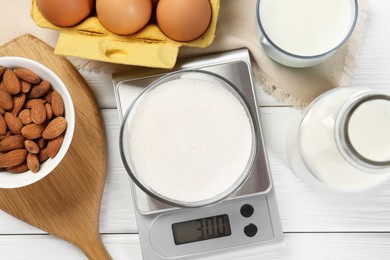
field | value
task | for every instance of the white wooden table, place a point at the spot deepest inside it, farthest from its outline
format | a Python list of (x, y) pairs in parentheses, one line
[(317, 224)]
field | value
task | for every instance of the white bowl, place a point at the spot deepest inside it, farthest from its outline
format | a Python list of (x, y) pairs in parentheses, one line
[(12, 180)]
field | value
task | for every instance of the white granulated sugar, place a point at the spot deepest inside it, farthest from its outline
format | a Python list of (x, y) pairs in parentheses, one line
[(190, 139)]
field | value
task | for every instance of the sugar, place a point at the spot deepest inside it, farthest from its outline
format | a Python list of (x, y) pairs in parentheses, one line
[(190, 140)]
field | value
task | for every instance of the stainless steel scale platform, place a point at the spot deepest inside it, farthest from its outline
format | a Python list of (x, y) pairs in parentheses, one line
[(247, 223)]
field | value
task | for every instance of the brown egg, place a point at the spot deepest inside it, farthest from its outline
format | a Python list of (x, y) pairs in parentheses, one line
[(124, 16), (183, 20), (65, 12)]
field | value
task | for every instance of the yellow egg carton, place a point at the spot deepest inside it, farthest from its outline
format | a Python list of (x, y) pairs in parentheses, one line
[(149, 47)]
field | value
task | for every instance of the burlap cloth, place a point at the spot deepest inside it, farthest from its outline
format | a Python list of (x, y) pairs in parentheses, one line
[(236, 29)]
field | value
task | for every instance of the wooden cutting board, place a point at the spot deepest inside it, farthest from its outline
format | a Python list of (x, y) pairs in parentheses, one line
[(66, 203)]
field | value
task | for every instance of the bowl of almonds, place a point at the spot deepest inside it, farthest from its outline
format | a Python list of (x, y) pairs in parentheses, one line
[(37, 121)]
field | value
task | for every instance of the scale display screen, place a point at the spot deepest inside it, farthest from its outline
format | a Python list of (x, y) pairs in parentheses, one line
[(201, 229)]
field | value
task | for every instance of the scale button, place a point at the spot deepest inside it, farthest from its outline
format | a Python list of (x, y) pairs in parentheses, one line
[(250, 230), (247, 210)]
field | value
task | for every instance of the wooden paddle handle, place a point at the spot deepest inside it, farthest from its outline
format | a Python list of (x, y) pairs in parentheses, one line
[(94, 249)]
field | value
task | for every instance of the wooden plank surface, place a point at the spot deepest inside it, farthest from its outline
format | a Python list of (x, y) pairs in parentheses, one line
[(322, 246), (359, 225)]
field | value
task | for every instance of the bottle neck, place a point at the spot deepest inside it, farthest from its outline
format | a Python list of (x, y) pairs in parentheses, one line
[(363, 132)]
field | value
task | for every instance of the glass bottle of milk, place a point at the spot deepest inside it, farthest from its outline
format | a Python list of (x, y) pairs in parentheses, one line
[(342, 141)]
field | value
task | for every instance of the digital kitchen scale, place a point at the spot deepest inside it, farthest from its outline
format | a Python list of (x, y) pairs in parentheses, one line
[(246, 223)]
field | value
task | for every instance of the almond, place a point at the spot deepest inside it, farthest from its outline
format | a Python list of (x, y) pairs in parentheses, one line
[(25, 116), (57, 104), (42, 143), (14, 124), (38, 113), (13, 158), (48, 96), (3, 125), (5, 100), (25, 86), (19, 101), (55, 127), (11, 82), (39, 90), (54, 145), (49, 111), (33, 162), (2, 137), (2, 69), (31, 146), (33, 131), (18, 168), (2, 86), (31, 102), (2, 111), (11, 143), (27, 75), (42, 156)]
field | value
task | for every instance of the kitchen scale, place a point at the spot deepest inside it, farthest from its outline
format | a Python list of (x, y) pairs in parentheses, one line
[(246, 223)]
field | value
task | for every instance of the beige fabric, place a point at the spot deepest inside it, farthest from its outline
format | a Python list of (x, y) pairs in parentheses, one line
[(236, 29)]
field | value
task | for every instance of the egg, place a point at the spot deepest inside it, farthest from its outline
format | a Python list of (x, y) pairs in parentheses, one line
[(65, 12), (183, 20), (124, 16)]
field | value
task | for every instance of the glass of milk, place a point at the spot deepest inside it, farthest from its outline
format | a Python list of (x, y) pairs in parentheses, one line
[(303, 33), (342, 141)]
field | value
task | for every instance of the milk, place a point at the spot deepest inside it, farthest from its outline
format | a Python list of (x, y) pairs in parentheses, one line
[(369, 130), (307, 27), (317, 153)]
